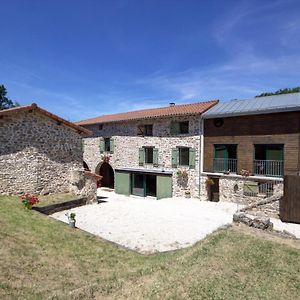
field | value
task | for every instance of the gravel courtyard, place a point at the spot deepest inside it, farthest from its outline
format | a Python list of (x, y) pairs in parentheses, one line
[(150, 226)]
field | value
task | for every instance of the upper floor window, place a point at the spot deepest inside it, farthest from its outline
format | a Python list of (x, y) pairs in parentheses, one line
[(225, 158), (179, 127), (184, 156), (148, 155), (106, 145), (100, 126), (145, 130)]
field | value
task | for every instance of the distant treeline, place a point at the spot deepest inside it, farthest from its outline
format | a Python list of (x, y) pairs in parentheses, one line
[(281, 91)]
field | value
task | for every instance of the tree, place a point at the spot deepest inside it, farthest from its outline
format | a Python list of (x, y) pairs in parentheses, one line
[(281, 91), (4, 101)]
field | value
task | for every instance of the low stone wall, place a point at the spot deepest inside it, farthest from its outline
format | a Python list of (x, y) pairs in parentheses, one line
[(84, 184)]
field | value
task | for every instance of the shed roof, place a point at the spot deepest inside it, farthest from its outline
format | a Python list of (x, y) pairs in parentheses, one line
[(34, 107), (174, 110), (254, 106)]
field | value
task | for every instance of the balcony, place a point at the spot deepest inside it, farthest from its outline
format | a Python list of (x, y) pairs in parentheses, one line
[(225, 165), (272, 168)]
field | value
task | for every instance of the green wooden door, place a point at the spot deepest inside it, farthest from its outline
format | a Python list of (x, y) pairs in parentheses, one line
[(221, 158), (274, 157), (122, 183), (164, 187)]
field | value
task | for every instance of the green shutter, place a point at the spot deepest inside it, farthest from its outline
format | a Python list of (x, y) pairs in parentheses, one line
[(111, 145), (192, 158), (175, 155), (174, 128), (141, 156), (122, 183), (102, 147), (164, 187), (155, 157)]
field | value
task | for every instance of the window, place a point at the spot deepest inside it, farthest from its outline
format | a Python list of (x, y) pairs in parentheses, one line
[(148, 155), (225, 158), (107, 144), (145, 130), (100, 126), (179, 127), (268, 159), (184, 156)]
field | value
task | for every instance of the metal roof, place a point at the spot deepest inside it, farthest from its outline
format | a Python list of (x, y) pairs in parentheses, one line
[(255, 106)]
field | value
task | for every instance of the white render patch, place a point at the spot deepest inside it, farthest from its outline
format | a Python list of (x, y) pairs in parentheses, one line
[(149, 226)]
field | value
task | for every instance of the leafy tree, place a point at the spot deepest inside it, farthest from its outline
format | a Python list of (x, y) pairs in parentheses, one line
[(4, 101), (281, 91)]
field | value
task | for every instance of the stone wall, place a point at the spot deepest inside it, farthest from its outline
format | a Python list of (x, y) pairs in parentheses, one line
[(231, 189), (84, 183), (37, 154), (127, 143)]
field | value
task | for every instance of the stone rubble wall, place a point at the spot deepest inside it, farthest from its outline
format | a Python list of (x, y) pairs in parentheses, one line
[(84, 184), (37, 154), (231, 189), (127, 143)]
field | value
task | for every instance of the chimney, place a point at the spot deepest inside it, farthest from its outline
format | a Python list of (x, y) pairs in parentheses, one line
[(172, 103)]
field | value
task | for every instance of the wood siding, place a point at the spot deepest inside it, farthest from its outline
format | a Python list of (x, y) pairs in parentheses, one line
[(246, 131)]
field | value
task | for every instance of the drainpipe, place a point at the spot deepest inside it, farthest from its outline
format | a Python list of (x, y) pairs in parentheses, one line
[(201, 126)]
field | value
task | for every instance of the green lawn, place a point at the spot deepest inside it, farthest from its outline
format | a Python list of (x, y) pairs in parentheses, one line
[(41, 258)]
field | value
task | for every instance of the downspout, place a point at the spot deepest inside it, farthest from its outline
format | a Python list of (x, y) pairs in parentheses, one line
[(201, 126)]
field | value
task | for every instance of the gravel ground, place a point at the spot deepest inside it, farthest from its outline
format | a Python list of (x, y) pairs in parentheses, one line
[(148, 225)]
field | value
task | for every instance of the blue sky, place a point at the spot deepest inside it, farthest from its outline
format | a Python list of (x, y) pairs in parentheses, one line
[(83, 58)]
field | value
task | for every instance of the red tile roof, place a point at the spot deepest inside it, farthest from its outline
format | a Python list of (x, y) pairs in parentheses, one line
[(34, 107), (175, 110)]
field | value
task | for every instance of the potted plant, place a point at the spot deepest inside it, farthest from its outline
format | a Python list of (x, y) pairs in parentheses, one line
[(209, 181), (187, 194), (71, 219), (105, 158), (182, 173), (245, 173)]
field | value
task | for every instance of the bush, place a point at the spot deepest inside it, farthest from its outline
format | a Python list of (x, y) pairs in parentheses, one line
[(29, 200)]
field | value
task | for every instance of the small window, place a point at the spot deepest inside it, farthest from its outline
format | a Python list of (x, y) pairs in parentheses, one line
[(148, 155), (179, 127), (107, 144), (100, 126), (184, 156), (184, 127), (145, 130)]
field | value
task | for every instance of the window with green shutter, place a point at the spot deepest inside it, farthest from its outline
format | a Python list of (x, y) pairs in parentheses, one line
[(192, 158), (155, 157), (175, 154), (141, 156), (112, 145), (102, 145)]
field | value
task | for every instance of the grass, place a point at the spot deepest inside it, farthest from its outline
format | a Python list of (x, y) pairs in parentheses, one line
[(55, 198), (41, 258)]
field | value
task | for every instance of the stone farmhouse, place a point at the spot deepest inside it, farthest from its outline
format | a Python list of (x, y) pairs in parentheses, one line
[(39, 151), (249, 145), (152, 152)]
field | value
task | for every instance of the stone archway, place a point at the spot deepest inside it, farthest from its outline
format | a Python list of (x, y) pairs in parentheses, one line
[(108, 176)]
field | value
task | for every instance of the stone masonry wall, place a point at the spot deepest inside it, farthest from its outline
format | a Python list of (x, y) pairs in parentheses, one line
[(127, 143), (231, 189), (37, 154)]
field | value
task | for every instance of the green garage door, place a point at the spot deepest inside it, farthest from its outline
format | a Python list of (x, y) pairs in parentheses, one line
[(122, 183), (164, 186)]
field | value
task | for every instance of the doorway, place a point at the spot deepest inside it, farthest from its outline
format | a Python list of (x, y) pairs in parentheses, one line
[(108, 177), (143, 185), (214, 190)]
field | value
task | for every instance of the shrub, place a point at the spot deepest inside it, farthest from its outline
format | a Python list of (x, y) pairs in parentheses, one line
[(29, 200)]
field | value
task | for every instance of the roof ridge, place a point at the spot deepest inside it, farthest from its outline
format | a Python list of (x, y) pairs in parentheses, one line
[(151, 109), (35, 107)]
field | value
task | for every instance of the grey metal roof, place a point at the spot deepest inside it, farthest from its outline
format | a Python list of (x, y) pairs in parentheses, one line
[(254, 106)]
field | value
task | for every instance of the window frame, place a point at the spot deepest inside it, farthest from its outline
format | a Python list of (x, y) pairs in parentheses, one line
[(107, 144), (146, 155), (180, 149)]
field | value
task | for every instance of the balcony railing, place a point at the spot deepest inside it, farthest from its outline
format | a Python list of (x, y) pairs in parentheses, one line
[(225, 165), (268, 167)]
